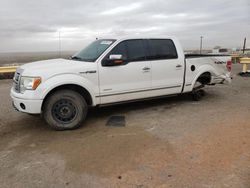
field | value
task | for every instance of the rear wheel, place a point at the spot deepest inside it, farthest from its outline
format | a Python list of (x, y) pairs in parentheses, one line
[(197, 95), (65, 110), (198, 92)]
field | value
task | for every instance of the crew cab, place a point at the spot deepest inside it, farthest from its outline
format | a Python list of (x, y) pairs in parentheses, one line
[(110, 71)]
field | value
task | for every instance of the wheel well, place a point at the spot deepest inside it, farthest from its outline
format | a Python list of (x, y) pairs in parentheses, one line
[(82, 91), (205, 78)]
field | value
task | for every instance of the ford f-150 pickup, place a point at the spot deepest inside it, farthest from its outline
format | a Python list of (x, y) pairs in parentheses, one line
[(111, 71)]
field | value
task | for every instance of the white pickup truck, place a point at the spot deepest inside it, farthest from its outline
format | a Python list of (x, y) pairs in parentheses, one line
[(111, 71)]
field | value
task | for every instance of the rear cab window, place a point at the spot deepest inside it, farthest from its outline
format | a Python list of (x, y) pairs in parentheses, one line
[(159, 49)]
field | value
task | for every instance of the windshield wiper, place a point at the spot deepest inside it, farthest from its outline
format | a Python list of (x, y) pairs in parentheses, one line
[(76, 58), (81, 59)]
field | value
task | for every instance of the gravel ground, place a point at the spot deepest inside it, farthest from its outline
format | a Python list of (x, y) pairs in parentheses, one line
[(172, 142)]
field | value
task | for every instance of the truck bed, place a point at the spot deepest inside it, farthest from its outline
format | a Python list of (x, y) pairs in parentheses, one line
[(187, 56)]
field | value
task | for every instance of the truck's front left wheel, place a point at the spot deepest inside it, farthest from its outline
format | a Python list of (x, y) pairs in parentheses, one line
[(65, 110)]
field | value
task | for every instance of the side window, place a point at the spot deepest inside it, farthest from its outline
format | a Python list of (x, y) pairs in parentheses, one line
[(136, 50), (161, 49), (120, 49)]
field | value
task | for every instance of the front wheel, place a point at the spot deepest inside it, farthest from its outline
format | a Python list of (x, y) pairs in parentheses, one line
[(65, 110)]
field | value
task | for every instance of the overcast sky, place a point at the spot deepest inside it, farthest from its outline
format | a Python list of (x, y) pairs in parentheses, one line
[(34, 25)]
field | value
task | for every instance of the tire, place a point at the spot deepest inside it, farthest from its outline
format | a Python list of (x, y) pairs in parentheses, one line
[(197, 95), (65, 110), (198, 92)]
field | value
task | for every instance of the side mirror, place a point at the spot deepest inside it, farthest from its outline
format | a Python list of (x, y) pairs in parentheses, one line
[(113, 60)]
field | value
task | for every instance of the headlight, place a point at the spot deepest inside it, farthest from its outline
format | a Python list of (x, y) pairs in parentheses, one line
[(29, 83)]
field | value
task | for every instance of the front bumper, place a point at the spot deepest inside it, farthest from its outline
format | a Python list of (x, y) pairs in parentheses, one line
[(26, 105)]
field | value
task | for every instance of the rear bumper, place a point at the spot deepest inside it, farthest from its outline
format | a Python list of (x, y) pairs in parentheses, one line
[(221, 79)]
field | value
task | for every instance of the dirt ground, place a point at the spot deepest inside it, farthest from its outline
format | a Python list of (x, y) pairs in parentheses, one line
[(171, 142)]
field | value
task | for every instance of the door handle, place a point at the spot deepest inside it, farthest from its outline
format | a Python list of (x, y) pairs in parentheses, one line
[(178, 66), (146, 68)]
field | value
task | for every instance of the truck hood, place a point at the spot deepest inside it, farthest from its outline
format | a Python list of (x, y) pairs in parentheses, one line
[(51, 67), (52, 64)]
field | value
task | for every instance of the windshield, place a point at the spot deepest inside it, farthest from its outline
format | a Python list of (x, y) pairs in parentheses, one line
[(94, 50)]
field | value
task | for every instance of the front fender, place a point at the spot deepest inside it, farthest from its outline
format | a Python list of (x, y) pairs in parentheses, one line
[(64, 79)]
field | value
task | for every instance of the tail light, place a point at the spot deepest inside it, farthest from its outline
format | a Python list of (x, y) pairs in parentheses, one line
[(229, 66)]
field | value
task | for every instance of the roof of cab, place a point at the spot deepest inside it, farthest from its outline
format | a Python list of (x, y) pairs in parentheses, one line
[(121, 38)]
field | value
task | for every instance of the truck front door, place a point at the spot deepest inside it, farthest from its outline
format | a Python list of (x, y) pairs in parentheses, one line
[(129, 80)]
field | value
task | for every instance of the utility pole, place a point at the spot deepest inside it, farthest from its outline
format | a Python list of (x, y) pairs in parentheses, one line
[(244, 45), (201, 44), (59, 47)]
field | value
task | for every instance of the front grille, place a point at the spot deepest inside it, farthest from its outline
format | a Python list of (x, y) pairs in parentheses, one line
[(16, 80)]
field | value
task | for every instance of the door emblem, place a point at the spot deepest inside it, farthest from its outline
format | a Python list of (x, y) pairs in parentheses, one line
[(88, 72)]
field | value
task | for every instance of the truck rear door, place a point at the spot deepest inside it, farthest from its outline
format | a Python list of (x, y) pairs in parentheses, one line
[(167, 66)]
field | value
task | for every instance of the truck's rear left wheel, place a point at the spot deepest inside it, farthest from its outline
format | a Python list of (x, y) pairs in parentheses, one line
[(65, 110), (198, 92), (197, 95)]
